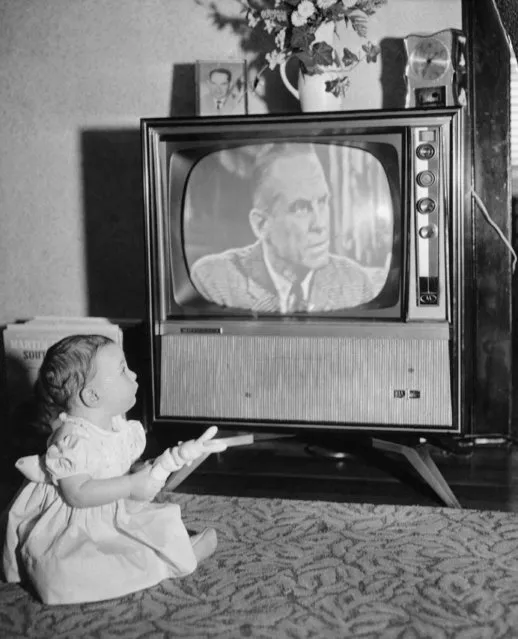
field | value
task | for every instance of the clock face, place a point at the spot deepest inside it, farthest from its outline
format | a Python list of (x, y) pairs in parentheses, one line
[(429, 60)]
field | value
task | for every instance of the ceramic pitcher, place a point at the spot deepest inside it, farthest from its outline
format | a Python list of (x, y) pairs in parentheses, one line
[(311, 90)]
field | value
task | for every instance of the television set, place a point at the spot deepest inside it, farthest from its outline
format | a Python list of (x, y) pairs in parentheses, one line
[(304, 272)]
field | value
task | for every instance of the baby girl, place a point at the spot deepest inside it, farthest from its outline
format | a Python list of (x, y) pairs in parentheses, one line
[(83, 527)]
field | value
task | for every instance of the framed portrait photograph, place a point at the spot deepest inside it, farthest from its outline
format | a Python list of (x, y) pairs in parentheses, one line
[(221, 87)]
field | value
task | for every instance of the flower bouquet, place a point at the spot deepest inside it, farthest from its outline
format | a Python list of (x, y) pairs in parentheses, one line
[(297, 26)]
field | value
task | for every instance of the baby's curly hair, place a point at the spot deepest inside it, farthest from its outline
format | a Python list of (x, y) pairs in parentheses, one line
[(67, 367)]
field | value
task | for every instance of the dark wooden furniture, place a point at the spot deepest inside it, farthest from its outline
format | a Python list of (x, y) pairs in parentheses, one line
[(488, 325)]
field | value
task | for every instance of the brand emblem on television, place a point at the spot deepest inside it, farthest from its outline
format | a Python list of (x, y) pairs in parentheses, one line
[(428, 298), (399, 393), (200, 330)]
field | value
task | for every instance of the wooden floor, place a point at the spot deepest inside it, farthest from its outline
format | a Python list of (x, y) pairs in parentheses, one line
[(481, 478)]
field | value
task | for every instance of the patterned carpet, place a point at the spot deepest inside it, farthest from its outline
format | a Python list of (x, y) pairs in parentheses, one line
[(297, 569)]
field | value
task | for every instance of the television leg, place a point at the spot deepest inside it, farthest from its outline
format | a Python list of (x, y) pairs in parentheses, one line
[(422, 462)]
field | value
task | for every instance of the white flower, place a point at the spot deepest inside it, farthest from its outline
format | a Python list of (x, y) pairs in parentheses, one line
[(298, 20), (274, 58), (252, 19), (277, 15), (348, 4), (269, 25), (280, 39), (306, 9), (325, 4)]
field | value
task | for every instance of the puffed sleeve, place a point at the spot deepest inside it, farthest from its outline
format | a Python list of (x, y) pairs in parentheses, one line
[(136, 439), (68, 454)]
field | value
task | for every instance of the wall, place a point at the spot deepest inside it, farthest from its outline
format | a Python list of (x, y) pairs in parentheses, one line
[(75, 78)]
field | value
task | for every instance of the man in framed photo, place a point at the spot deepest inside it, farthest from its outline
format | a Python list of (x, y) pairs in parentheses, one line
[(221, 93)]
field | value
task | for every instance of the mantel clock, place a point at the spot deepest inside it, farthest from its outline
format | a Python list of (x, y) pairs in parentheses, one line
[(436, 69)]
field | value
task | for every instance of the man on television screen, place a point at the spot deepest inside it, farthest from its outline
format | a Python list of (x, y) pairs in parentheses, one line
[(289, 269)]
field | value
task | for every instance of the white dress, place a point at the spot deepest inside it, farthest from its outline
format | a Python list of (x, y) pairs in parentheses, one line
[(73, 555)]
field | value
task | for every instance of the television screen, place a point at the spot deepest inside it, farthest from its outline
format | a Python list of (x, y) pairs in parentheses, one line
[(287, 228)]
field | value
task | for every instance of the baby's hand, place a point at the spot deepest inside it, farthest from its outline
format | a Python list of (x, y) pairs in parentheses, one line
[(194, 448), (185, 453), (144, 487)]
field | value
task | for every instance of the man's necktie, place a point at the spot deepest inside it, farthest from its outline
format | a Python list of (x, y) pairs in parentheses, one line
[(219, 104), (296, 298)]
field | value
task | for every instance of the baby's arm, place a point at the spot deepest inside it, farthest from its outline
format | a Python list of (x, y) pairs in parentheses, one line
[(81, 491)]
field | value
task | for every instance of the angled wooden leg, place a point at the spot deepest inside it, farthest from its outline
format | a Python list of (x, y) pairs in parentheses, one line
[(423, 463), (447, 494)]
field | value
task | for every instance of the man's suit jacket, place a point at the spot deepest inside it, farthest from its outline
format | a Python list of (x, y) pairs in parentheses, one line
[(238, 278), (233, 105)]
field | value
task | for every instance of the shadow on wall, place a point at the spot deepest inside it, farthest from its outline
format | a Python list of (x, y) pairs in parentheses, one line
[(393, 63), (114, 223), (276, 96), (183, 90)]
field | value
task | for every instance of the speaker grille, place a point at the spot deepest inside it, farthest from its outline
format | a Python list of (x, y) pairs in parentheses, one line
[(306, 379)]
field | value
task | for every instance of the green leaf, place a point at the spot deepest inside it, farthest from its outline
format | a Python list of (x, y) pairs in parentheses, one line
[(349, 58), (301, 39), (307, 63), (323, 54), (336, 12), (369, 6), (338, 86), (371, 51), (359, 24)]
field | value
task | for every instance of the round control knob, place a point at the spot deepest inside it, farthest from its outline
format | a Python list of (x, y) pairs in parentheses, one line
[(425, 178), (425, 151), (429, 231), (426, 205)]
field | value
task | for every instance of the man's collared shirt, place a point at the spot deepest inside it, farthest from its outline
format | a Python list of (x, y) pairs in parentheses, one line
[(283, 285)]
